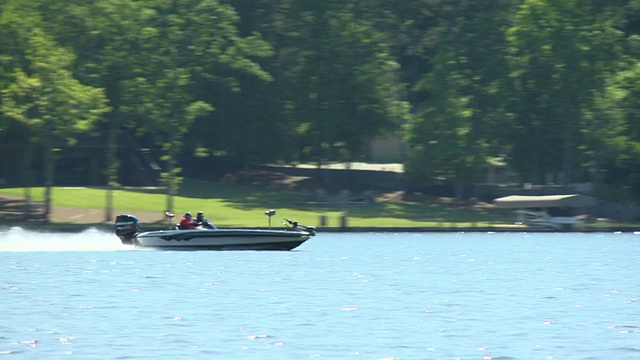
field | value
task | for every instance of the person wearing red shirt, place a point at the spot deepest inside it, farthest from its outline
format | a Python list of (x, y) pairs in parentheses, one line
[(186, 223)]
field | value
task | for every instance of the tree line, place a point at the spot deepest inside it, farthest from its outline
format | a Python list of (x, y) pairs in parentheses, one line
[(551, 86)]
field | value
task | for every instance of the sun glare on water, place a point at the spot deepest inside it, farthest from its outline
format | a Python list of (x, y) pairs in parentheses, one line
[(18, 239)]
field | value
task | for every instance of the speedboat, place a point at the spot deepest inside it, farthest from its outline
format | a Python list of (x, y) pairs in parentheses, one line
[(212, 238)]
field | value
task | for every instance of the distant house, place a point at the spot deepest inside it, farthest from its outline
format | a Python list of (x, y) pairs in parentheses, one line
[(386, 149), (82, 164), (498, 172)]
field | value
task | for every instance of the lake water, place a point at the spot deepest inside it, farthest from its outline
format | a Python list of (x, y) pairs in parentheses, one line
[(338, 296)]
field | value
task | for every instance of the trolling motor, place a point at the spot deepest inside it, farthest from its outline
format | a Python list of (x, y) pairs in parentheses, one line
[(293, 225)]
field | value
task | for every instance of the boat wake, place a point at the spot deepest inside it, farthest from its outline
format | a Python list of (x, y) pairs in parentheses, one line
[(18, 239)]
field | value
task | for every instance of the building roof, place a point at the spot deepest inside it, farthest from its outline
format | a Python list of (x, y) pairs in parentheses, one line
[(545, 201)]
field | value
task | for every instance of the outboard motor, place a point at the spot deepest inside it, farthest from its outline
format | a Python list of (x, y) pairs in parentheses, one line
[(126, 228)]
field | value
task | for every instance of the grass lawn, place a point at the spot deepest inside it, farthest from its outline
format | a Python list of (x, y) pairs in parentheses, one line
[(238, 205)]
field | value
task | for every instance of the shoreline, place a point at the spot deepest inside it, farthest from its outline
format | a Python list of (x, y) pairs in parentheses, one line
[(506, 228)]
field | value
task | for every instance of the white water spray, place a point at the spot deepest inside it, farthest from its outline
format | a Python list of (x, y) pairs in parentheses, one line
[(18, 239)]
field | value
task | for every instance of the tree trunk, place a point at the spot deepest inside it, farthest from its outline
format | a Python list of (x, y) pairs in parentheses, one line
[(108, 211), (170, 178), (567, 164), (112, 170), (459, 189), (170, 200), (595, 176), (49, 175), (27, 179)]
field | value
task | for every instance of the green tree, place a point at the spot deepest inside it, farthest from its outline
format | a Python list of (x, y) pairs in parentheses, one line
[(344, 84), (16, 21), (50, 102), (100, 34), (460, 125), (561, 52), (188, 47), (167, 104), (614, 135), (104, 35)]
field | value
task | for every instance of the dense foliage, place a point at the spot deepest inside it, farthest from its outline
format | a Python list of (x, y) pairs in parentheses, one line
[(550, 86)]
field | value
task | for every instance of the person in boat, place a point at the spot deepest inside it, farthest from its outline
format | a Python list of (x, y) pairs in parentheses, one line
[(201, 221), (187, 223)]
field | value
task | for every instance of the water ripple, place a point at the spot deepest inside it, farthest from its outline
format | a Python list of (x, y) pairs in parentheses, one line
[(371, 296)]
